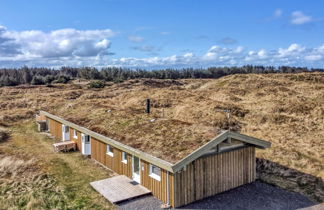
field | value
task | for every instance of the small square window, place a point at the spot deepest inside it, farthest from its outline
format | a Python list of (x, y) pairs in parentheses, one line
[(124, 157), (110, 151), (75, 134), (155, 172)]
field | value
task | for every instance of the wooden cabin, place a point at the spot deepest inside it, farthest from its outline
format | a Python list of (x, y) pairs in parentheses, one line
[(223, 163)]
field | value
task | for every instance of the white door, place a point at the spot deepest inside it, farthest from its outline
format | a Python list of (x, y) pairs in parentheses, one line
[(65, 133), (86, 144), (136, 169)]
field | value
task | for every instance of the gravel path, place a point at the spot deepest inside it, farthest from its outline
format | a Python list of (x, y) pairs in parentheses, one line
[(257, 195)]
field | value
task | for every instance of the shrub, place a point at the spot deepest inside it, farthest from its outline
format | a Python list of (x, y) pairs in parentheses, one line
[(49, 79), (7, 81), (118, 80), (63, 79), (38, 80), (97, 84)]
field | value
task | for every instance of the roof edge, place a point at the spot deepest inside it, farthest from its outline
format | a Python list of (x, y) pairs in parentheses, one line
[(249, 139), (198, 152), (215, 141), (142, 155)]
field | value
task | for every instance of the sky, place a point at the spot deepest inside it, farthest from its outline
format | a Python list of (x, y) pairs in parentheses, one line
[(161, 33)]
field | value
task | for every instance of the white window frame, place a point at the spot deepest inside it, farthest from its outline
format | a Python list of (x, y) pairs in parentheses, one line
[(75, 134), (124, 157), (48, 124), (109, 149), (153, 175)]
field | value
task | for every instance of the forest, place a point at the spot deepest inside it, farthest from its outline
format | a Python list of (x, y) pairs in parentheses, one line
[(42, 76)]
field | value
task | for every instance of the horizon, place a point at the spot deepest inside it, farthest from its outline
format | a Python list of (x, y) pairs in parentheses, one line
[(99, 68), (166, 34)]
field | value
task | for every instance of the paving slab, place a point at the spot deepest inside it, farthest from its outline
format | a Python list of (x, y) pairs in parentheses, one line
[(119, 188)]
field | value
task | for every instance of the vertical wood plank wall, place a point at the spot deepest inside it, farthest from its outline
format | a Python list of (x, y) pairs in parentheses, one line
[(98, 152), (55, 129), (158, 188), (213, 174), (76, 140)]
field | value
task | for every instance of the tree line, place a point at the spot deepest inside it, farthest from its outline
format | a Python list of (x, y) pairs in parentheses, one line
[(40, 76)]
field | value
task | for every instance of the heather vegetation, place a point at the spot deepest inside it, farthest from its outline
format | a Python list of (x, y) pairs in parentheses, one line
[(33, 176), (285, 109), (41, 76)]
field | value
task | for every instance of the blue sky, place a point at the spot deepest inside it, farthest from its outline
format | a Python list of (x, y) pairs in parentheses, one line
[(161, 33)]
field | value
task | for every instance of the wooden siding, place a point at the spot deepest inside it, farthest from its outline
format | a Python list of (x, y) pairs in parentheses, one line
[(213, 174), (98, 152), (55, 129), (40, 117), (77, 140), (158, 188)]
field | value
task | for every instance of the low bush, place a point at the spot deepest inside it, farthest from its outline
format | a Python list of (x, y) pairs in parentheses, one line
[(38, 80), (49, 79), (118, 80), (63, 79), (97, 84)]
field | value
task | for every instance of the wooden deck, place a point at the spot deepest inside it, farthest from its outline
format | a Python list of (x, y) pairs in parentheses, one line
[(119, 188)]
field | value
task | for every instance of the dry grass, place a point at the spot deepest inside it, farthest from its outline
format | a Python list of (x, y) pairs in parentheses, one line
[(285, 109), (33, 176), (23, 186), (11, 166)]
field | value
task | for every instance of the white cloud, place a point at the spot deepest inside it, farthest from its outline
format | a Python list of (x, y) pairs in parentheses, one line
[(262, 53), (135, 39), (313, 57), (294, 54), (68, 42), (188, 55), (239, 49), (277, 13), (71, 47), (292, 50), (299, 18)]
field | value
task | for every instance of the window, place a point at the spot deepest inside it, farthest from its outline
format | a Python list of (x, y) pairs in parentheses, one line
[(124, 157), (155, 172), (85, 138), (66, 128), (75, 134), (110, 151)]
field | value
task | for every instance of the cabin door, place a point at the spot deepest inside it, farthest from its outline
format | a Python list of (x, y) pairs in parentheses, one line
[(65, 133), (136, 169), (86, 144)]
